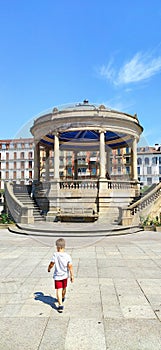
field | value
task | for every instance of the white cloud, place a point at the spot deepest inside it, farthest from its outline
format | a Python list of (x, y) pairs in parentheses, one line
[(107, 71), (139, 68)]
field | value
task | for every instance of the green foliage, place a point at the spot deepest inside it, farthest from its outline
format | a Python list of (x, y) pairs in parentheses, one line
[(144, 189), (4, 219), (149, 221)]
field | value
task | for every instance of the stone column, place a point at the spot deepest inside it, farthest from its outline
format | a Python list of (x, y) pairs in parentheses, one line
[(75, 166), (56, 157), (108, 164), (54, 192), (36, 161), (102, 155), (103, 191), (134, 160), (47, 164)]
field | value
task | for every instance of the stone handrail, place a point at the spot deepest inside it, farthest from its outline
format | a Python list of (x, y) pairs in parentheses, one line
[(129, 212), (78, 184), (20, 213), (94, 184), (121, 184)]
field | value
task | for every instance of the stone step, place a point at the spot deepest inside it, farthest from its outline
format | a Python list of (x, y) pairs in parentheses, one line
[(65, 230)]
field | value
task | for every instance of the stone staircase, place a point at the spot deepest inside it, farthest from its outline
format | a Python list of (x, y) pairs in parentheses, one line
[(25, 198)]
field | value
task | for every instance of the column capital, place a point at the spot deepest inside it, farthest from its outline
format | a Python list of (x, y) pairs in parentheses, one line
[(55, 133), (101, 131)]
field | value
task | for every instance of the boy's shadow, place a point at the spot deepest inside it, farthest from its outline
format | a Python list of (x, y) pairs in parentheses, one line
[(47, 299)]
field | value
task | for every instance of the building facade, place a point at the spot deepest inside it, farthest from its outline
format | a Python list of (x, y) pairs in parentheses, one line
[(149, 165), (17, 163)]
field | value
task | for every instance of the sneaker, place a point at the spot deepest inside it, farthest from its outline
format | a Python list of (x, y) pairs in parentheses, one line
[(60, 308)]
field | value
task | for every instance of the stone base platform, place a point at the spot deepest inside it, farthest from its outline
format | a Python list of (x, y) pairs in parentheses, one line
[(73, 229)]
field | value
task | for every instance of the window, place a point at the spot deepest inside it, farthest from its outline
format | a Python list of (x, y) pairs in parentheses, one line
[(147, 161), (148, 170), (127, 159), (15, 165), (127, 170), (154, 160), (69, 160), (138, 170), (22, 165), (22, 155), (159, 169), (93, 171), (119, 169), (119, 152), (69, 171), (7, 175), (30, 164), (7, 165), (22, 174), (15, 155), (61, 162), (7, 156), (30, 155), (139, 161), (159, 160), (14, 175), (127, 150), (149, 181)]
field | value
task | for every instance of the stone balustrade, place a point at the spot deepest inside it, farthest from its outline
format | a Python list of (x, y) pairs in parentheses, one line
[(129, 213), (94, 184), (20, 213)]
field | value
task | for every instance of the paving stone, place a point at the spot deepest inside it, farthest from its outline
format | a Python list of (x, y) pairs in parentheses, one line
[(25, 334), (137, 311), (133, 334), (88, 334), (54, 337), (114, 302)]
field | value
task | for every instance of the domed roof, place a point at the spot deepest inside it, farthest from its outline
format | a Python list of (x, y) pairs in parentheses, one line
[(79, 126)]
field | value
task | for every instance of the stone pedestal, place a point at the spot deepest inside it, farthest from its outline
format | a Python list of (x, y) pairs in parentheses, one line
[(54, 207)]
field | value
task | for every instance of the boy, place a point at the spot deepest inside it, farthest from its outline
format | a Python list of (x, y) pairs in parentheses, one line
[(63, 267)]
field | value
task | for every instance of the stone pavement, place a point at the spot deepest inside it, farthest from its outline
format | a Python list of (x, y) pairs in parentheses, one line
[(114, 302)]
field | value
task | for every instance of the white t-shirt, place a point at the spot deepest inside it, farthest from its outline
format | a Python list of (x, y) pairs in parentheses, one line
[(61, 260)]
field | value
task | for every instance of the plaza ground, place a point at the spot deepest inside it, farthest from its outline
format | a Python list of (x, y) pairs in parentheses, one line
[(114, 302)]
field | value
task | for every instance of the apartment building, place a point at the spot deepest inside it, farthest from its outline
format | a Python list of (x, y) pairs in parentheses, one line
[(16, 161), (149, 164)]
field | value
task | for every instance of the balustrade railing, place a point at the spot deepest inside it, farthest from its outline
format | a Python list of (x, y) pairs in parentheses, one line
[(129, 212), (94, 184), (116, 185), (19, 212), (77, 184)]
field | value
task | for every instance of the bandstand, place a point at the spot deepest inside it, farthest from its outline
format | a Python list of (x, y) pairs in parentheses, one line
[(85, 127)]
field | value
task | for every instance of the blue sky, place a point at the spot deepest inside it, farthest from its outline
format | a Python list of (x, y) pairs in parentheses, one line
[(59, 52)]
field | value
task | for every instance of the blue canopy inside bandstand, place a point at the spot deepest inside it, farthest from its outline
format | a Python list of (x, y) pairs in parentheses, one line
[(87, 140)]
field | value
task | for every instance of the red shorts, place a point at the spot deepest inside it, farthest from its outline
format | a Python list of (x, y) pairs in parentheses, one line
[(61, 284)]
